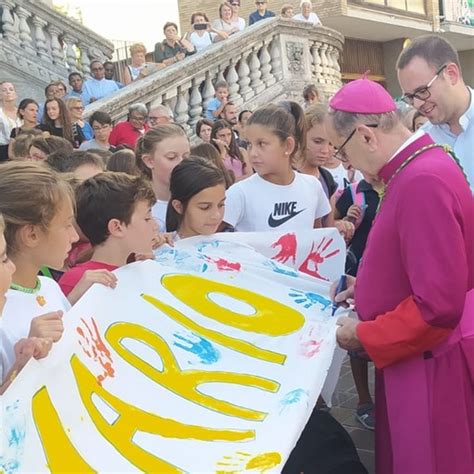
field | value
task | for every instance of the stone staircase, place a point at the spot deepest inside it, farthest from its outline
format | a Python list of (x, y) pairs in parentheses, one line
[(39, 45), (270, 60)]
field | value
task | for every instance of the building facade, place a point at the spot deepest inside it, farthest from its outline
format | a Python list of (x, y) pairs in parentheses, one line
[(376, 31)]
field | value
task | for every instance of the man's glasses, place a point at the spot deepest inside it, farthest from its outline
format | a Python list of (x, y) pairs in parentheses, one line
[(340, 153), (138, 119), (423, 93), (98, 68)]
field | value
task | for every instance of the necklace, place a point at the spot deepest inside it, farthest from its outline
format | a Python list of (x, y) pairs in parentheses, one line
[(24, 289), (446, 148)]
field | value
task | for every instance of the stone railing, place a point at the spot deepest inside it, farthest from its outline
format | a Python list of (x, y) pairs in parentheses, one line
[(272, 59), (38, 44)]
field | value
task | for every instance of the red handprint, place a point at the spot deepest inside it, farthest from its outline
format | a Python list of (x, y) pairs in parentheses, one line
[(224, 265), (288, 246), (315, 257), (94, 347)]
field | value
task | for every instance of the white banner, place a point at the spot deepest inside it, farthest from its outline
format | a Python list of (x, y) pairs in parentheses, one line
[(209, 359)]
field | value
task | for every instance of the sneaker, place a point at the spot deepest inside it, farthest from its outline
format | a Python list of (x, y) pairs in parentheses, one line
[(365, 416)]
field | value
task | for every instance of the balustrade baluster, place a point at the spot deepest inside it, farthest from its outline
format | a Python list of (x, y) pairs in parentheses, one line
[(84, 61), (255, 73), (40, 38), (8, 21), (56, 51), (324, 62), (318, 69), (25, 33), (71, 57), (195, 101), (265, 65), (244, 78), (181, 108), (207, 92), (275, 54), (232, 79)]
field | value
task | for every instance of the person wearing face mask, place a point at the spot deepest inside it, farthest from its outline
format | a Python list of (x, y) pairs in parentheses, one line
[(431, 79), (98, 86), (172, 49)]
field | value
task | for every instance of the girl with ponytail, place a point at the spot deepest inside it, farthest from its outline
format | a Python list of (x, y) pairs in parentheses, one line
[(276, 197)]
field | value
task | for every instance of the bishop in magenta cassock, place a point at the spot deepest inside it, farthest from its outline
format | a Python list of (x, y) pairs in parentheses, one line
[(414, 290)]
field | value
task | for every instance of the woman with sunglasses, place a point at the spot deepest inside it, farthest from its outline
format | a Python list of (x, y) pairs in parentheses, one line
[(81, 130), (237, 21)]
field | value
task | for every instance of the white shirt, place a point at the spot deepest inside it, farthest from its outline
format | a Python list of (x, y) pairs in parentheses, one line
[(239, 23), (313, 18), (158, 211), (7, 124), (462, 144), (340, 176), (20, 309), (255, 204), (202, 42)]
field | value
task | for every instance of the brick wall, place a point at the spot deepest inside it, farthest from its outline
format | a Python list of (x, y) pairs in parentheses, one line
[(323, 8)]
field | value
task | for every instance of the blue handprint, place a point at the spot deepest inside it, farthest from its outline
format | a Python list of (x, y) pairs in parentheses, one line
[(198, 346), (309, 299), (282, 270), (203, 245), (292, 398)]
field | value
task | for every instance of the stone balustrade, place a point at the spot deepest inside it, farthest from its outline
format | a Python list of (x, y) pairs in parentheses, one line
[(43, 45), (272, 59)]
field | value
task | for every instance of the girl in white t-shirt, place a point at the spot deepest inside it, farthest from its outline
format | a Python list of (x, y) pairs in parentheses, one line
[(157, 153), (197, 199), (25, 348), (276, 197), (38, 208)]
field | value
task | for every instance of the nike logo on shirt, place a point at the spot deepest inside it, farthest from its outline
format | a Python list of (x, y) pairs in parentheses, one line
[(287, 210)]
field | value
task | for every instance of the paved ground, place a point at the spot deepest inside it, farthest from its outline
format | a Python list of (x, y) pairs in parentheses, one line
[(344, 404)]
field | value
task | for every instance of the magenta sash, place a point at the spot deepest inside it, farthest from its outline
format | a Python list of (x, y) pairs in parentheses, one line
[(408, 400)]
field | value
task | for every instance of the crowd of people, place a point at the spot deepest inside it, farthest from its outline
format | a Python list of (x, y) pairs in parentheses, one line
[(359, 165)]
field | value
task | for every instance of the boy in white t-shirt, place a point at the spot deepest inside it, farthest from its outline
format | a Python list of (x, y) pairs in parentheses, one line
[(276, 197)]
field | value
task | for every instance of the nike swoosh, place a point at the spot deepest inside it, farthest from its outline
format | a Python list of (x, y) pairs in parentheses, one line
[(278, 222)]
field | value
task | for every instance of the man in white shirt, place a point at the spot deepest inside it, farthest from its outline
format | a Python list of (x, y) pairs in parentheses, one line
[(307, 14), (430, 76)]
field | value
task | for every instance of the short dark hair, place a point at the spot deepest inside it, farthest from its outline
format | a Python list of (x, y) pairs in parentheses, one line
[(434, 49), (189, 178), (168, 24), (102, 117), (195, 14), (108, 196), (75, 73)]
